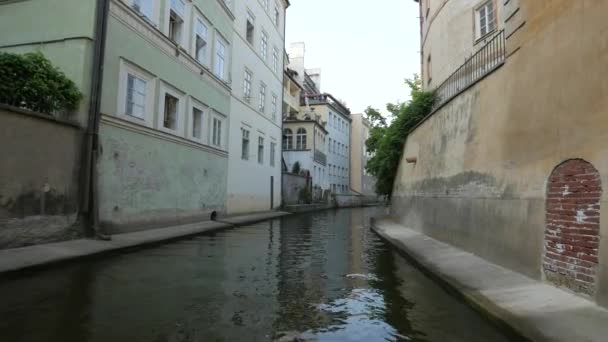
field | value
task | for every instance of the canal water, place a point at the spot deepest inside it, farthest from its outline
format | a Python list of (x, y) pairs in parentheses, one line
[(316, 277)]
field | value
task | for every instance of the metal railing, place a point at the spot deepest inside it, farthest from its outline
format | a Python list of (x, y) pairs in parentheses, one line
[(487, 59), (320, 157)]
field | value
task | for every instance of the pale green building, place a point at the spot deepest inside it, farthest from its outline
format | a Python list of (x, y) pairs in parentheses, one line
[(164, 100)]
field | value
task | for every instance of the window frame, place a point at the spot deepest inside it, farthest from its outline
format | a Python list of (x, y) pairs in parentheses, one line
[(166, 88), (288, 137), (245, 148), (260, 150), (273, 153), (262, 97), (250, 19), (153, 17), (301, 139), (264, 45), (275, 59), (209, 49), (247, 85), (221, 41), (204, 129), (222, 130), (274, 106), (478, 35), (183, 32), (126, 68)]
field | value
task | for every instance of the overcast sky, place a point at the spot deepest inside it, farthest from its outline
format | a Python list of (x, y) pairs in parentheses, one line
[(364, 48)]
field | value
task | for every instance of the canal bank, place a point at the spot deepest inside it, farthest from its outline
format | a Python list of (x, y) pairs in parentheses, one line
[(535, 310), (322, 277), (18, 259)]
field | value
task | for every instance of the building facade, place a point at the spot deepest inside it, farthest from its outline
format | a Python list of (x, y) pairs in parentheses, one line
[(361, 181), (304, 136), (255, 123), (510, 165)]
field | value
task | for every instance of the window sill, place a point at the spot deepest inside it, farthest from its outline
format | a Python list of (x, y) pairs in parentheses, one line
[(484, 37)]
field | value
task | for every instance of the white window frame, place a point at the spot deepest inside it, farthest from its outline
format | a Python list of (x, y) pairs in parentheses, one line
[(125, 69), (260, 146), (275, 59), (183, 37), (166, 88), (250, 18), (206, 58), (218, 56), (262, 98), (151, 16), (273, 153), (274, 106), (245, 154), (264, 45), (484, 6), (276, 17), (222, 138), (195, 104), (247, 85)]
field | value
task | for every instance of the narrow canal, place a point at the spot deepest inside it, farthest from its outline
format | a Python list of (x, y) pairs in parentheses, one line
[(318, 277)]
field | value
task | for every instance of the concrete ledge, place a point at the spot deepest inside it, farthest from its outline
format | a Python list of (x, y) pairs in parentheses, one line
[(18, 259), (535, 310)]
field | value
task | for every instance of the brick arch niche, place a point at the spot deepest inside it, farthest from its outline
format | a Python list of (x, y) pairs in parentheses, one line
[(572, 229)]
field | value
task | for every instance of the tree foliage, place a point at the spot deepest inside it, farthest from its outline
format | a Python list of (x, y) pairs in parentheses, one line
[(386, 140), (31, 81)]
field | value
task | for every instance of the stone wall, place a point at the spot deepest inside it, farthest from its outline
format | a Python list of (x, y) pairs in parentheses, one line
[(485, 160), (39, 175), (292, 185)]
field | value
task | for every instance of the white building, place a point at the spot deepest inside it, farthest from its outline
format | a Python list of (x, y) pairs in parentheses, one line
[(331, 111), (254, 162)]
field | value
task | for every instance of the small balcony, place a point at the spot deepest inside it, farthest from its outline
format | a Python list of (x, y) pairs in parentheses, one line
[(489, 58)]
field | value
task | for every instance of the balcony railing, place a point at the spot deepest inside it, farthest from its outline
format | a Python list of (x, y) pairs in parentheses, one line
[(320, 157), (490, 57)]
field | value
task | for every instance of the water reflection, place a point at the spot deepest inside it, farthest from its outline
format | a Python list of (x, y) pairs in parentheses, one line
[(318, 277)]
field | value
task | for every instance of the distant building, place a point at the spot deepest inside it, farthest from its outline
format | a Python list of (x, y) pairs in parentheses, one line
[(332, 112), (360, 180)]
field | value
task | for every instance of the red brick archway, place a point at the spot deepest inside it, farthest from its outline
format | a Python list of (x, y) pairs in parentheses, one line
[(572, 228)]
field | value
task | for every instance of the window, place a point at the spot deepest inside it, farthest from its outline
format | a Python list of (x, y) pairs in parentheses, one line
[(170, 112), (301, 139), (273, 148), (245, 144), (176, 20), (221, 56), (197, 123), (331, 117), (136, 97), (250, 27), (261, 150), (277, 16), (274, 107), (262, 104), (275, 60), (144, 7), (217, 132), (201, 33), (287, 139), (484, 19), (247, 85), (330, 145), (264, 45)]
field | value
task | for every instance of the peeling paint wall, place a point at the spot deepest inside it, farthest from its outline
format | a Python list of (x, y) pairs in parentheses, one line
[(483, 160), (40, 161)]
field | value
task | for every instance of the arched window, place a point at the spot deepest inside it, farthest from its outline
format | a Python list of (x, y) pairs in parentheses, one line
[(301, 139), (287, 139)]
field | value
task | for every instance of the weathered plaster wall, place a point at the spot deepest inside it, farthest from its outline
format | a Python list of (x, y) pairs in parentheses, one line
[(292, 185), (39, 166), (148, 182), (485, 157)]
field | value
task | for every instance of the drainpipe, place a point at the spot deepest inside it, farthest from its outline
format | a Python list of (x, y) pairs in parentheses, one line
[(90, 203)]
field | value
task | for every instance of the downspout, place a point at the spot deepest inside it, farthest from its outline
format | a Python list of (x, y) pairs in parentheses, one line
[(90, 197), (280, 142)]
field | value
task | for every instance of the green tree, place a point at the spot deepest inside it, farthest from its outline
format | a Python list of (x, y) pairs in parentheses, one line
[(31, 81), (386, 141)]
